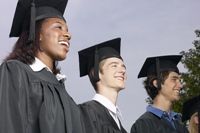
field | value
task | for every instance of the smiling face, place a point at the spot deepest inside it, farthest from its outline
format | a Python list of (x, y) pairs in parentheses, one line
[(113, 73), (171, 87), (54, 39)]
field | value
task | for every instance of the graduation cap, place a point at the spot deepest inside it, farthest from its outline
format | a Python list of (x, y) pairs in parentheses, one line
[(29, 11), (158, 64), (190, 107), (92, 56)]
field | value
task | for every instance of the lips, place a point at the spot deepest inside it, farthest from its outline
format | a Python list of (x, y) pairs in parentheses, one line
[(120, 77), (64, 43), (177, 91)]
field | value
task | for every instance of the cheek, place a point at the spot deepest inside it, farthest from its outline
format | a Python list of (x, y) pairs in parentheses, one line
[(174, 85), (49, 35)]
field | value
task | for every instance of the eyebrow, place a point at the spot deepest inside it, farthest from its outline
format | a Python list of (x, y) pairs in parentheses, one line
[(114, 62), (176, 76), (61, 24), (58, 22)]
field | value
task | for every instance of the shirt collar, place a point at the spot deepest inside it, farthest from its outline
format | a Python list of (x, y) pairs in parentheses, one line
[(107, 103), (38, 65), (161, 113)]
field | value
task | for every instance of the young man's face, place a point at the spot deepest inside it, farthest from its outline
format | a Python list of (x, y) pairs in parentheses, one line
[(171, 87), (113, 73)]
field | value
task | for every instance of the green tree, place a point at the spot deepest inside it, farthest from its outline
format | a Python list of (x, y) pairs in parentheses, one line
[(191, 78)]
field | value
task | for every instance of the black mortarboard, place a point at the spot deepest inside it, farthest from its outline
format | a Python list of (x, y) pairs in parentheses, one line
[(190, 107), (90, 57), (29, 11), (166, 63), (155, 65)]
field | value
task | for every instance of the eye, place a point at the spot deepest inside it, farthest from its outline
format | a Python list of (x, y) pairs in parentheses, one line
[(114, 65), (59, 27), (174, 79)]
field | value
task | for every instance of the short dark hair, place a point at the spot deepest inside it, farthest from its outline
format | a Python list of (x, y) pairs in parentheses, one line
[(151, 90), (92, 76)]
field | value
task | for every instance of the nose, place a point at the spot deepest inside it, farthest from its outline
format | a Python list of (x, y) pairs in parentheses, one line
[(180, 84), (123, 70), (67, 35)]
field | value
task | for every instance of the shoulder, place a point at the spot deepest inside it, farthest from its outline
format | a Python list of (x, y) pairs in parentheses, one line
[(13, 64), (92, 105), (87, 105), (92, 108), (147, 116), (14, 70), (147, 120)]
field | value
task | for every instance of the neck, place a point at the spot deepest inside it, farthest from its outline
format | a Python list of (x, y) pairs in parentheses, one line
[(162, 103), (46, 60), (109, 93)]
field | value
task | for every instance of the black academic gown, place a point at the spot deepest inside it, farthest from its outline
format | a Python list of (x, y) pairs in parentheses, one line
[(35, 102), (97, 119), (150, 123)]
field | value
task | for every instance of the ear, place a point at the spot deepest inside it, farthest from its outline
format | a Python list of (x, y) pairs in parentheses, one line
[(155, 83), (40, 39), (100, 75), (40, 42), (196, 120)]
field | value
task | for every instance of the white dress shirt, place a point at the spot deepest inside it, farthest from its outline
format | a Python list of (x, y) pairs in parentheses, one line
[(38, 65), (113, 110)]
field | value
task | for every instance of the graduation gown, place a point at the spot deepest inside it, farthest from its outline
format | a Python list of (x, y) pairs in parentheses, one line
[(150, 123), (35, 102), (97, 119)]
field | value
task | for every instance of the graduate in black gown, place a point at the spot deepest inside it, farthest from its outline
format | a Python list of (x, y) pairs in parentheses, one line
[(191, 111), (163, 87), (33, 98), (107, 72)]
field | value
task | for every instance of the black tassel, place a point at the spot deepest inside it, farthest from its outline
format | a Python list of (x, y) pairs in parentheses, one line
[(32, 23), (96, 65), (158, 73)]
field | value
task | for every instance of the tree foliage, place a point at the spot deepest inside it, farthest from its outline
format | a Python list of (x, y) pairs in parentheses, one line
[(191, 78)]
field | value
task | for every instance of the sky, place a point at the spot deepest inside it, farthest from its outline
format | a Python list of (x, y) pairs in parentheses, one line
[(146, 27)]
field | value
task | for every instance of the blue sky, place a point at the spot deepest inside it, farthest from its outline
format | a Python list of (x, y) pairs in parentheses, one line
[(146, 27)]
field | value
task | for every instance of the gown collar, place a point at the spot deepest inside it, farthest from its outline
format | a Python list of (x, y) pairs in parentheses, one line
[(108, 104)]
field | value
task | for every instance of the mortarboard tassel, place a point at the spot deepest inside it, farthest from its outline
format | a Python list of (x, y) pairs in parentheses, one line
[(158, 73), (32, 23), (96, 65)]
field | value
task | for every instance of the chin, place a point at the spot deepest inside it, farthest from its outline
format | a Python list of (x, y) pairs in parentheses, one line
[(177, 98), (122, 87), (61, 58)]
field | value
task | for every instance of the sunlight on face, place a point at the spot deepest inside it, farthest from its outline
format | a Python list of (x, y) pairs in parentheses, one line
[(113, 73), (54, 39), (172, 87)]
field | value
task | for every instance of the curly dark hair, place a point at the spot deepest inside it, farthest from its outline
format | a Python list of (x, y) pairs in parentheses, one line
[(25, 50), (151, 90)]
